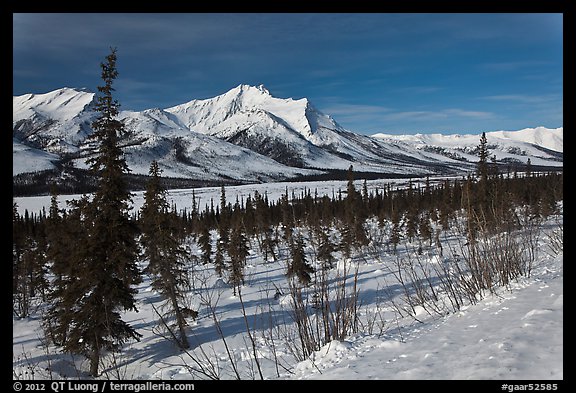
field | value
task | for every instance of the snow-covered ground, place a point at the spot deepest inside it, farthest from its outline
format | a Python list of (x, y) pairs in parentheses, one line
[(514, 334), (517, 334), (182, 198)]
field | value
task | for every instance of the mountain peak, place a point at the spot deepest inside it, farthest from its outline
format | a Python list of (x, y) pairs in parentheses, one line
[(263, 89), (242, 88), (61, 104)]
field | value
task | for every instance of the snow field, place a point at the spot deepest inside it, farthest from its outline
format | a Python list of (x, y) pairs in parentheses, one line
[(515, 333)]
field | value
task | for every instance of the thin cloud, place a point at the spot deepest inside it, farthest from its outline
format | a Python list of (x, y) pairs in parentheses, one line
[(469, 114), (441, 114), (349, 109), (513, 65), (375, 118), (419, 89), (357, 114), (523, 98)]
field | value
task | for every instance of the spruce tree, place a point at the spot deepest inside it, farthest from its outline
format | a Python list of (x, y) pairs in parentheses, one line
[(411, 214), (288, 222), (396, 231), (325, 250), (425, 228), (103, 267), (298, 265), (17, 248), (64, 234), (264, 232), (163, 249), (29, 261), (445, 205), (238, 251), (58, 253), (353, 232), (223, 235), (205, 243), (483, 158), (481, 196)]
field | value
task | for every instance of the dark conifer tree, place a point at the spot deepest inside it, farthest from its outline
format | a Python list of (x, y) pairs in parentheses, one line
[(263, 225), (411, 213), (238, 252), (287, 218), (20, 260), (193, 216), (67, 262), (298, 265), (326, 250), (29, 273), (396, 231), (18, 237), (162, 242), (481, 194), (58, 252), (223, 235), (353, 232), (445, 205), (346, 239), (425, 228), (107, 270), (205, 244), (38, 266), (483, 154)]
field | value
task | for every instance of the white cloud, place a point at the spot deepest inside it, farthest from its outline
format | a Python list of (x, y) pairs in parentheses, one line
[(436, 115), (523, 98)]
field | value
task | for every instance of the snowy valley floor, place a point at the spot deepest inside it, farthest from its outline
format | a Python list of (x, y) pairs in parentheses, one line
[(517, 335), (513, 334)]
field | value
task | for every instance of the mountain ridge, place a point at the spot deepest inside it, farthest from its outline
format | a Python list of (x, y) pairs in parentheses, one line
[(247, 135)]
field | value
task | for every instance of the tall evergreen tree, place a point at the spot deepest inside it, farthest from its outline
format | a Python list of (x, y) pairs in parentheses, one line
[(58, 253), (353, 232), (396, 231), (483, 158), (107, 270), (17, 246), (67, 263), (29, 259), (411, 215), (223, 235), (238, 252), (205, 243), (163, 249), (425, 228), (264, 232), (288, 222)]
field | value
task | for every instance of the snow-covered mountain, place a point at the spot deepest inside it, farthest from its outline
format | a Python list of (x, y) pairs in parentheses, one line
[(248, 135), (542, 145), (56, 122), (289, 131), (59, 122)]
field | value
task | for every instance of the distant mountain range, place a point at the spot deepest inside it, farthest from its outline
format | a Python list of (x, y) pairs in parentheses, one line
[(247, 135)]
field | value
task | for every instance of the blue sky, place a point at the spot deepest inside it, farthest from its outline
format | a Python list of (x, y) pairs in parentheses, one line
[(393, 73)]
